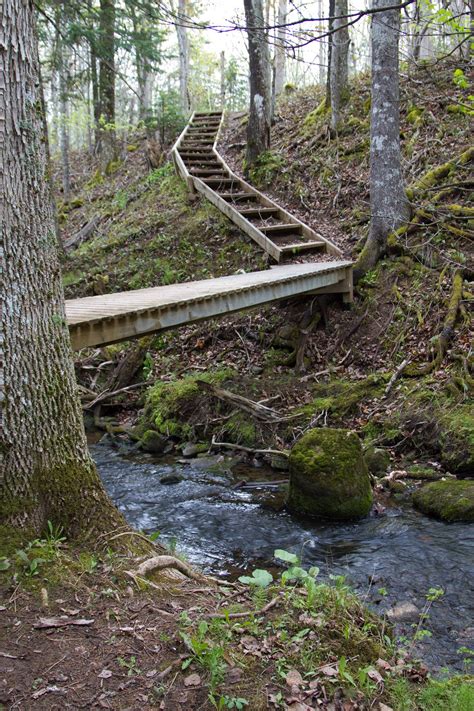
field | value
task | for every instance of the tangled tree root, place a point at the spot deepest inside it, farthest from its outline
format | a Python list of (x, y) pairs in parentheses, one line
[(443, 340)]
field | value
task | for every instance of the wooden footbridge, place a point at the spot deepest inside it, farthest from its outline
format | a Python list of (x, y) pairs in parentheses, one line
[(99, 320)]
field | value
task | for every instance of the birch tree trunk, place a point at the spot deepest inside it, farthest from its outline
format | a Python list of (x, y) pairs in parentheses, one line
[(280, 54), (183, 46), (222, 68), (46, 470), (339, 69), (388, 202), (258, 129)]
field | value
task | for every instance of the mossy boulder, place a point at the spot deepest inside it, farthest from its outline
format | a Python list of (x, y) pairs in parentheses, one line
[(447, 500), (328, 476), (424, 472), (457, 441), (153, 442), (175, 408), (377, 460)]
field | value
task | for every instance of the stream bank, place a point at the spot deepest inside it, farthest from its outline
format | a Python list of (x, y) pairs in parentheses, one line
[(391, 558)]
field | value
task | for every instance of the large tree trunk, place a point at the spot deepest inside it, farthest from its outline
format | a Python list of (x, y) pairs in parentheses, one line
[(339, 68), (107, 80), (388, 202), (280, 54), (258, 130), (183, 47), (46, 470)]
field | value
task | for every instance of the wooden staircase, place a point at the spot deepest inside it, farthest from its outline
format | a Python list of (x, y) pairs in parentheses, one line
[(275, 230)]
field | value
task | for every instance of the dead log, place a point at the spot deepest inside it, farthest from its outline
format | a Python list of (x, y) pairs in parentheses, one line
[(260, 412), (83, 234)]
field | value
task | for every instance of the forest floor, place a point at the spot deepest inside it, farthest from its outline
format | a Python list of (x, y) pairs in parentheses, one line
[(148, 233), (77, 633)]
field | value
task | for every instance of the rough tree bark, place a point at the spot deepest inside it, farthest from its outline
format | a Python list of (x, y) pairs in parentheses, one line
[(339, 68), (280, 54), (258, 129), (389, 205), (46, 470), (107, 80)]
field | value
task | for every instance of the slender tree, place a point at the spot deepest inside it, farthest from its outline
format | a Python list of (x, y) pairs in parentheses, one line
[(258, 129), (388, 202), (107, 79), (280, 53), (339, 69), (183, 48), (46, 470)]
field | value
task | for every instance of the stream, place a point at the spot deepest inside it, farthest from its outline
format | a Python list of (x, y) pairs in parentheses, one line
[(227, 530)]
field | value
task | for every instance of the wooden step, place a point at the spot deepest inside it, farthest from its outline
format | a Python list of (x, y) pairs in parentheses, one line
[(259, 211), (237, 196), (203, 163), (276, 230), (197, 144), (209, 171), (221, 181), (196, 154), (296, 247)]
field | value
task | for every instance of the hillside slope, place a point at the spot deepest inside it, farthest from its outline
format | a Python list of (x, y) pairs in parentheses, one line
[(150, 234)]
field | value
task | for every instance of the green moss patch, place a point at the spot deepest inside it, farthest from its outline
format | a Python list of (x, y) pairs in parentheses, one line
[(447, 500), (328, 476)]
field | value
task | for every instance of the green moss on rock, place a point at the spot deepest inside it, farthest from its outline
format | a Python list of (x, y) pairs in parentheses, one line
[(173, 408), (424, 472), (447, 500), (377, 460), (328, 476), (457, 440), (153, 442)]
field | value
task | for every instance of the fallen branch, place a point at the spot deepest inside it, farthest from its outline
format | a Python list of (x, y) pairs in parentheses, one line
[(261, 412), (83, 234), (109, 394), (395, 376), (241, 448)]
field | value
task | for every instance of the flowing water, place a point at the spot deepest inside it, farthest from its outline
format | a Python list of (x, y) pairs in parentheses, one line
[(392, 557)]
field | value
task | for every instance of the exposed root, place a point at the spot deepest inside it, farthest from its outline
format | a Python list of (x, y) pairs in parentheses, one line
[(443, 340), (165, 562), (435, 175)]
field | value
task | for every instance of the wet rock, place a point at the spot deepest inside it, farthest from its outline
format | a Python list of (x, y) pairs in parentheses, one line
[(403, 612), (190, 450), (172, 478), (328, 476), (447, 500), (377, 461), (153, 442)]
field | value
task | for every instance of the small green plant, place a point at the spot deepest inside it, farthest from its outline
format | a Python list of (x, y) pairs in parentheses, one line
[(148, 366), (88, 562), (259, 577), (229, 702), (130, 665)]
